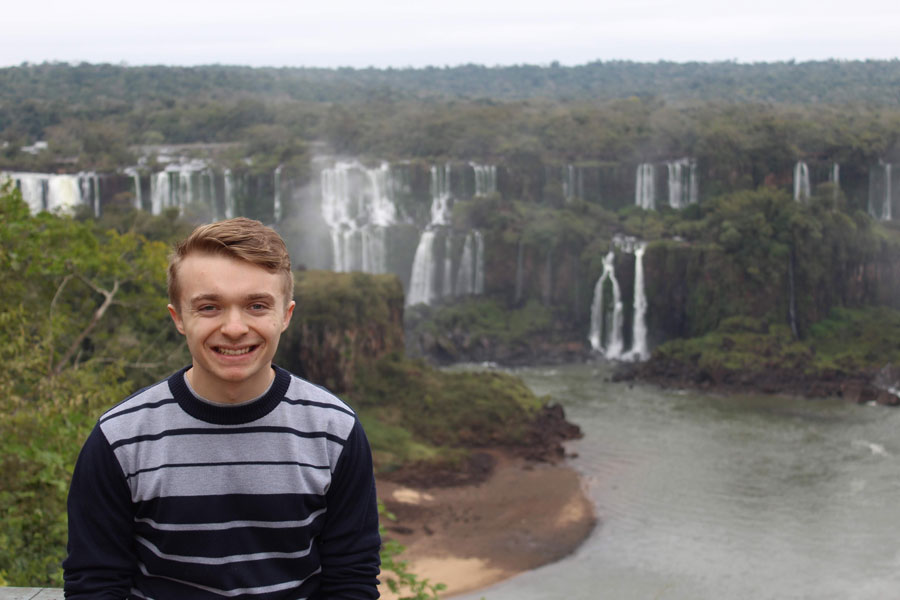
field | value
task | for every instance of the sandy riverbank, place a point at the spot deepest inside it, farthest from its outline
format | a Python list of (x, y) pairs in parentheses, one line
[(522, 516)]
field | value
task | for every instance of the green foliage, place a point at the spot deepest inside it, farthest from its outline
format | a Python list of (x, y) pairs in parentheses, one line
[(442, 412), (847, 342), (395, 572)]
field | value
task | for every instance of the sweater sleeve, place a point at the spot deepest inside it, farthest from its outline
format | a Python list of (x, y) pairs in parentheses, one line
[(101, 560), (349, 543)]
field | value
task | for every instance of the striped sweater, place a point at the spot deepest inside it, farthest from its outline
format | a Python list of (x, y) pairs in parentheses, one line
[(175, 498)]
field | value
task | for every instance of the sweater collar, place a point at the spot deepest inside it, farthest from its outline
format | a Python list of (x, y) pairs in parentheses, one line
[(223, 414)]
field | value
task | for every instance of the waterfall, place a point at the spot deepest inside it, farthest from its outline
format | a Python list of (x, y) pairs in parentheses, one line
[(422, 275), (136, 180), (60, 193), (880, 192), (639, 325), (606, 333), (479, 263), (448, 266), (886, 214), (357, 207), (570, 182), (645, 186), (485, 179), (801, 181), (606, 325), (420, 286), (465, 274), (440, 195), (182, 185), (276, 202), (229, 194), (682, 179)]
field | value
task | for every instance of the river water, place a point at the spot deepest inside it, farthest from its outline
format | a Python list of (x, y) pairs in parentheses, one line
[(723, 497)]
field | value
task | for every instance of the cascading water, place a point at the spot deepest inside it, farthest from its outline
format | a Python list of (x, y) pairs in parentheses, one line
[(682, 180), (801, 181), (448, 267), (485, 179), (276, 201), (136, 181), (357, 207), (465, 274), (57, 193), (479, 263), (229, 194), (421, 281), (645, 186), (606, 322), (606, 334), (880, 194), (570, 183), (639, 326), (183, 185)]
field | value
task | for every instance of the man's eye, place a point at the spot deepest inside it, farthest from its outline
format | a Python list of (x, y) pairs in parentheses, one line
[(206, 308), (258, 306)]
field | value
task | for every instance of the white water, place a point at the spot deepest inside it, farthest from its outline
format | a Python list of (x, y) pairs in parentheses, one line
[(276, 201), (801, 181), (465, 275), (886, 209), (57, 193), (421, 290), (479, 263), (422, 278), (645, 186), (706, 497), (682, 179), (188, 184), (357, 207), (485, 179), (606, 325), (639, 349), (448, 267), (570, 186)]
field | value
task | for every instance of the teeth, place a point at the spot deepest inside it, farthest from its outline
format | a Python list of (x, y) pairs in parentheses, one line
[(229, 352)]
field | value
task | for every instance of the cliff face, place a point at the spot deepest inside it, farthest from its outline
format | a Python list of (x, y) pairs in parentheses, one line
[(342, 321)]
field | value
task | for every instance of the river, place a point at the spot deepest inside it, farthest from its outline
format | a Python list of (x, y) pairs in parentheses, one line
[(703, 496)]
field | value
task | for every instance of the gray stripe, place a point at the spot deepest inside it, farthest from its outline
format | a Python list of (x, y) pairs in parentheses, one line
[(223, 480), (139, 594), (240, 447), (237, 591), (155, 393), (221, 560), (231, 524)]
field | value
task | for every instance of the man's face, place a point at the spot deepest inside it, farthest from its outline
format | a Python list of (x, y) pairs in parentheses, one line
[(232, 313)]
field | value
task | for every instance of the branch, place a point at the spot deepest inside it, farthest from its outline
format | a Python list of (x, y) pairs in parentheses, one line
[(98, 314), (59, 290)]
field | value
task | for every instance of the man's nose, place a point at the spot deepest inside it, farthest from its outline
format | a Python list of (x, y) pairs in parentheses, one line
[(234, 324)]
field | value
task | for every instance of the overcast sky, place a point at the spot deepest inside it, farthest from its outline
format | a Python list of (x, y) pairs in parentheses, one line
[(357, 33)]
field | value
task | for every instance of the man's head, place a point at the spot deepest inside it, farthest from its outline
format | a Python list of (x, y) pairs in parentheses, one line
[(240, 238), (230, 287)]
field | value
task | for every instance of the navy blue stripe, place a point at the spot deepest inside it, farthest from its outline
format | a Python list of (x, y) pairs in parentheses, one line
[(321, 405), (210, 431), (221, 464), (137, 408)]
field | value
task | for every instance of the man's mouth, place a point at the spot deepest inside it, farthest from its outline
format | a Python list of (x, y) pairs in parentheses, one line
[(234, 351)]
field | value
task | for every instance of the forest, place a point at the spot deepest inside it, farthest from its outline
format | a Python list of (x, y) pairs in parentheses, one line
[(745, 279)]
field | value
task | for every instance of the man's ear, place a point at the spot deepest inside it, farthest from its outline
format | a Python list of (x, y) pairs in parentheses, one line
[(176, 318), (288, 313)]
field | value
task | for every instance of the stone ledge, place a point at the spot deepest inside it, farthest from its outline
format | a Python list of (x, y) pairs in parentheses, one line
[(20, 593)]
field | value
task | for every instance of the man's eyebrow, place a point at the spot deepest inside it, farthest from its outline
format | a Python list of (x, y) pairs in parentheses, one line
[(205, 298), (261, 296)]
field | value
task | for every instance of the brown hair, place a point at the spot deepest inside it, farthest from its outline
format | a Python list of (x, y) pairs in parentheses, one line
[(240, 238)]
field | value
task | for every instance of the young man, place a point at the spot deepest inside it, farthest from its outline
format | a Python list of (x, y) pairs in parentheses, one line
[(232, 478)]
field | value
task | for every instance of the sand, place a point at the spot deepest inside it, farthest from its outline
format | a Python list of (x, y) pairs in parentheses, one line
[(468, 537)]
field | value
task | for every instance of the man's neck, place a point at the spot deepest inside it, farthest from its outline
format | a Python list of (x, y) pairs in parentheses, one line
[(229, 393)]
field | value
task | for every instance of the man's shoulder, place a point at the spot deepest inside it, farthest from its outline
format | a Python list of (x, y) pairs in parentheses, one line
[(153, 395), (305, 393)]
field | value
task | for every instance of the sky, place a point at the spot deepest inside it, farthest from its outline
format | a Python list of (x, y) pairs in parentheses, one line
[(357, 33)]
